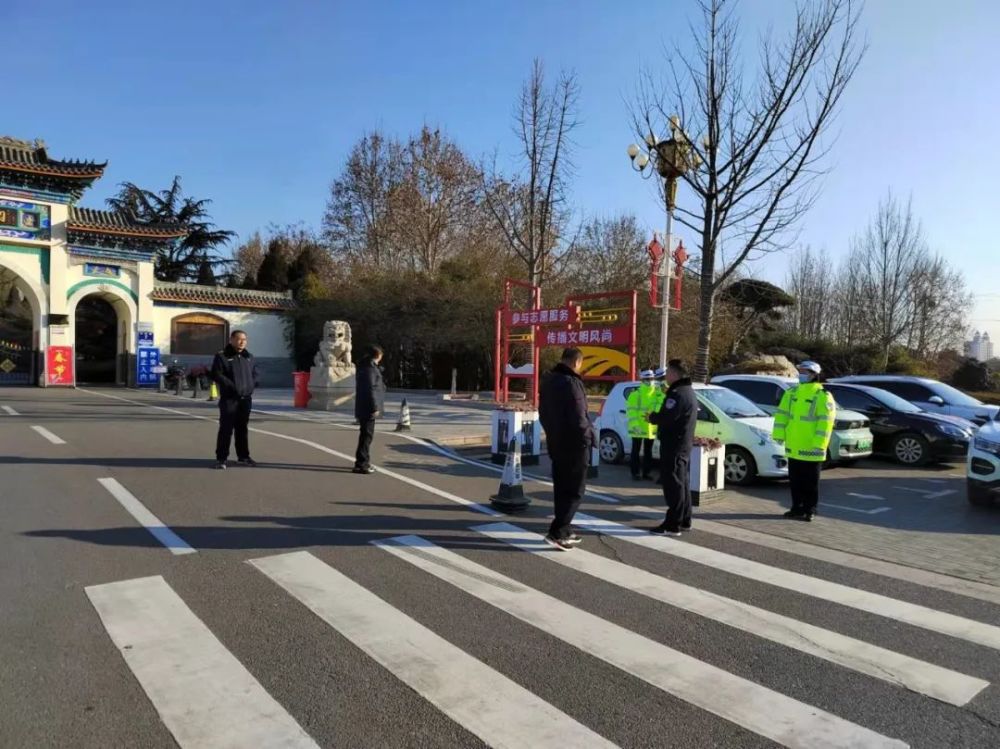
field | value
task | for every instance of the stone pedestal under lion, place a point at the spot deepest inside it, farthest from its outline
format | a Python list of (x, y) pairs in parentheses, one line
[(331, 379)]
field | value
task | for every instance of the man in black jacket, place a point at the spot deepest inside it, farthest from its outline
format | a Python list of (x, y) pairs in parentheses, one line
[(369, 401), (676, 419), (235, 372), (562, 409)]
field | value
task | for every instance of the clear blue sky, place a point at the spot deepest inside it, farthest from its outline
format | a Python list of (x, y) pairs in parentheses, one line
[(256, 104)]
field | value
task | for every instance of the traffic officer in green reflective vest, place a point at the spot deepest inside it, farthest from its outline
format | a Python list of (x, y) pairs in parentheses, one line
[(643, 401), (804, 424)]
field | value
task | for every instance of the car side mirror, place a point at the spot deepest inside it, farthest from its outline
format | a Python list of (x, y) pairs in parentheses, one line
[(937, 400), (878, 410)]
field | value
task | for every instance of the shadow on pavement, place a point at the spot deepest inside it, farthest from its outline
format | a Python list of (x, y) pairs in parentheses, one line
[(265, 532), (188, 463)]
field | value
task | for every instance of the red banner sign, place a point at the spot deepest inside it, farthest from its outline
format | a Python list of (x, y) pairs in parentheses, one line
[(59, 366), (532, 317), (616, 336)]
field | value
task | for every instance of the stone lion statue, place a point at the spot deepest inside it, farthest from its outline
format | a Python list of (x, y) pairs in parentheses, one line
[(335, 348)]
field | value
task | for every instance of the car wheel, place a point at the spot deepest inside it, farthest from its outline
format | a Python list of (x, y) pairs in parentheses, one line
[(611, 448), (741, 468), (910, 449)]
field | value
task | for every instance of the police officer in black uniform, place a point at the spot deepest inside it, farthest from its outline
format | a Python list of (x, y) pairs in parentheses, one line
[(676, 421), (235, 372)]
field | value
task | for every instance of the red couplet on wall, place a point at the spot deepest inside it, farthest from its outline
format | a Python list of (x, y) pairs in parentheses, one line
[(59, 366)]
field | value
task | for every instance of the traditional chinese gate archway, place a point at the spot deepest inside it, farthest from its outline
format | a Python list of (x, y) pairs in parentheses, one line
[(598, 324)]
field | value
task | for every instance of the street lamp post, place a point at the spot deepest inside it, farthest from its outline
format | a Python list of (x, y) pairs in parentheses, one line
[(670, 158)]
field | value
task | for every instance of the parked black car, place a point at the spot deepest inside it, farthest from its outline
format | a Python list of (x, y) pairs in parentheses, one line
[(903, 431)]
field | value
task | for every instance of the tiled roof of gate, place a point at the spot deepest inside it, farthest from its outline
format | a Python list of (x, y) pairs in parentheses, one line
[(222, 296), (113, 222), (27, 156)]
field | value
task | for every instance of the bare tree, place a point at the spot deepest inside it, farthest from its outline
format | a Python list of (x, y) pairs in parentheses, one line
[(808, 280), (358, 223), (529, 206), (434, 203), (610, 253), (763, 149), (941, 306), (887, 258)]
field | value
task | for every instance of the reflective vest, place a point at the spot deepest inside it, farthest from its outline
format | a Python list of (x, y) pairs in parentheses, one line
[(804, 421), (644, 400)]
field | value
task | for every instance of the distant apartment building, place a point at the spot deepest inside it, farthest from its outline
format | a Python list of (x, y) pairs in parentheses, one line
[(980, 347)]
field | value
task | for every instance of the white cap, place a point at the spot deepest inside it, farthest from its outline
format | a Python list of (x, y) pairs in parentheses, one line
[(810, 366), (660, 372), (646, 374)]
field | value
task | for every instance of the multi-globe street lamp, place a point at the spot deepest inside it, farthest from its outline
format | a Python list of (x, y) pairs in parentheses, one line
[(671, 159)]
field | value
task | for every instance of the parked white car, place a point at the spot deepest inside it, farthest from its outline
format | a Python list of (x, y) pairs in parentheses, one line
[(723, 415), (982, 472), (852, 435)]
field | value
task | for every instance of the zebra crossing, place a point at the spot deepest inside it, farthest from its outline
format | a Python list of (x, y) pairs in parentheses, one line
[(206, 697)]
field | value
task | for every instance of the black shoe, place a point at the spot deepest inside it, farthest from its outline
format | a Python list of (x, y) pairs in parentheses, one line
[(365, 470), (665, 530), (563, 544), (574, 539), (247, 462), (805, 517), (685, 528), (793, 514), (220, 465)]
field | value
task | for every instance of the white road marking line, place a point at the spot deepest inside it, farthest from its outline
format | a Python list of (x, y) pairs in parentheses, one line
[(451, 455), (49, 436), (864, 496), (875, 511), (942, 493), (343, 456), (472, 694), (916, 575), (10, 411), (918, 676), (203, 694), (891, 608), (909, 489), (749, 705), (146, 519)]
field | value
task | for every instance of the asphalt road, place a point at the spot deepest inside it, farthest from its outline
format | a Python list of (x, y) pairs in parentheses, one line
[(149, 601)]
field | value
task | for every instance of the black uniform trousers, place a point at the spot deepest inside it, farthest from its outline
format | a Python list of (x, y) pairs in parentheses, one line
[(234, 415), (646, 447), (362, 457), (803, 477), (675, 473), (569, 482)]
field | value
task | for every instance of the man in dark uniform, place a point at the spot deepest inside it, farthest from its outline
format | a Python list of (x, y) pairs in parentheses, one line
[(235, 372), (676, 419), (369, 402), (569, 434)]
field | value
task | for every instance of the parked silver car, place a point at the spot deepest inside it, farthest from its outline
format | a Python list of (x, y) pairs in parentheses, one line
[(930, 395)]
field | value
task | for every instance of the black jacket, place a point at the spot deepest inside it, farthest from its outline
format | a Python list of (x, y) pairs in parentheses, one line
[(235, 373), (369, 396), (562, 409), (677, 418)]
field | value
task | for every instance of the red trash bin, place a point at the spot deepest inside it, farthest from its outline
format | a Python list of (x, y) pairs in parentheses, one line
[(302, 394)]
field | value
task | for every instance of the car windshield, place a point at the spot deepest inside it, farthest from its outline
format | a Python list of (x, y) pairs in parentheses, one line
[(894, 401), (732, 404), (955, 397)]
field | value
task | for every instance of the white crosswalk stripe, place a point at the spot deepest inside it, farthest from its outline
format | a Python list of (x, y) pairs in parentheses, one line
[(925, 678), (471, 693), (891, 608), (207, 698), (204, 695), (754, 707)]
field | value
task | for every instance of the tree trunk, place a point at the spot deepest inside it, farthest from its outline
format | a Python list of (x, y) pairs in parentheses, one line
[(701, 364)]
